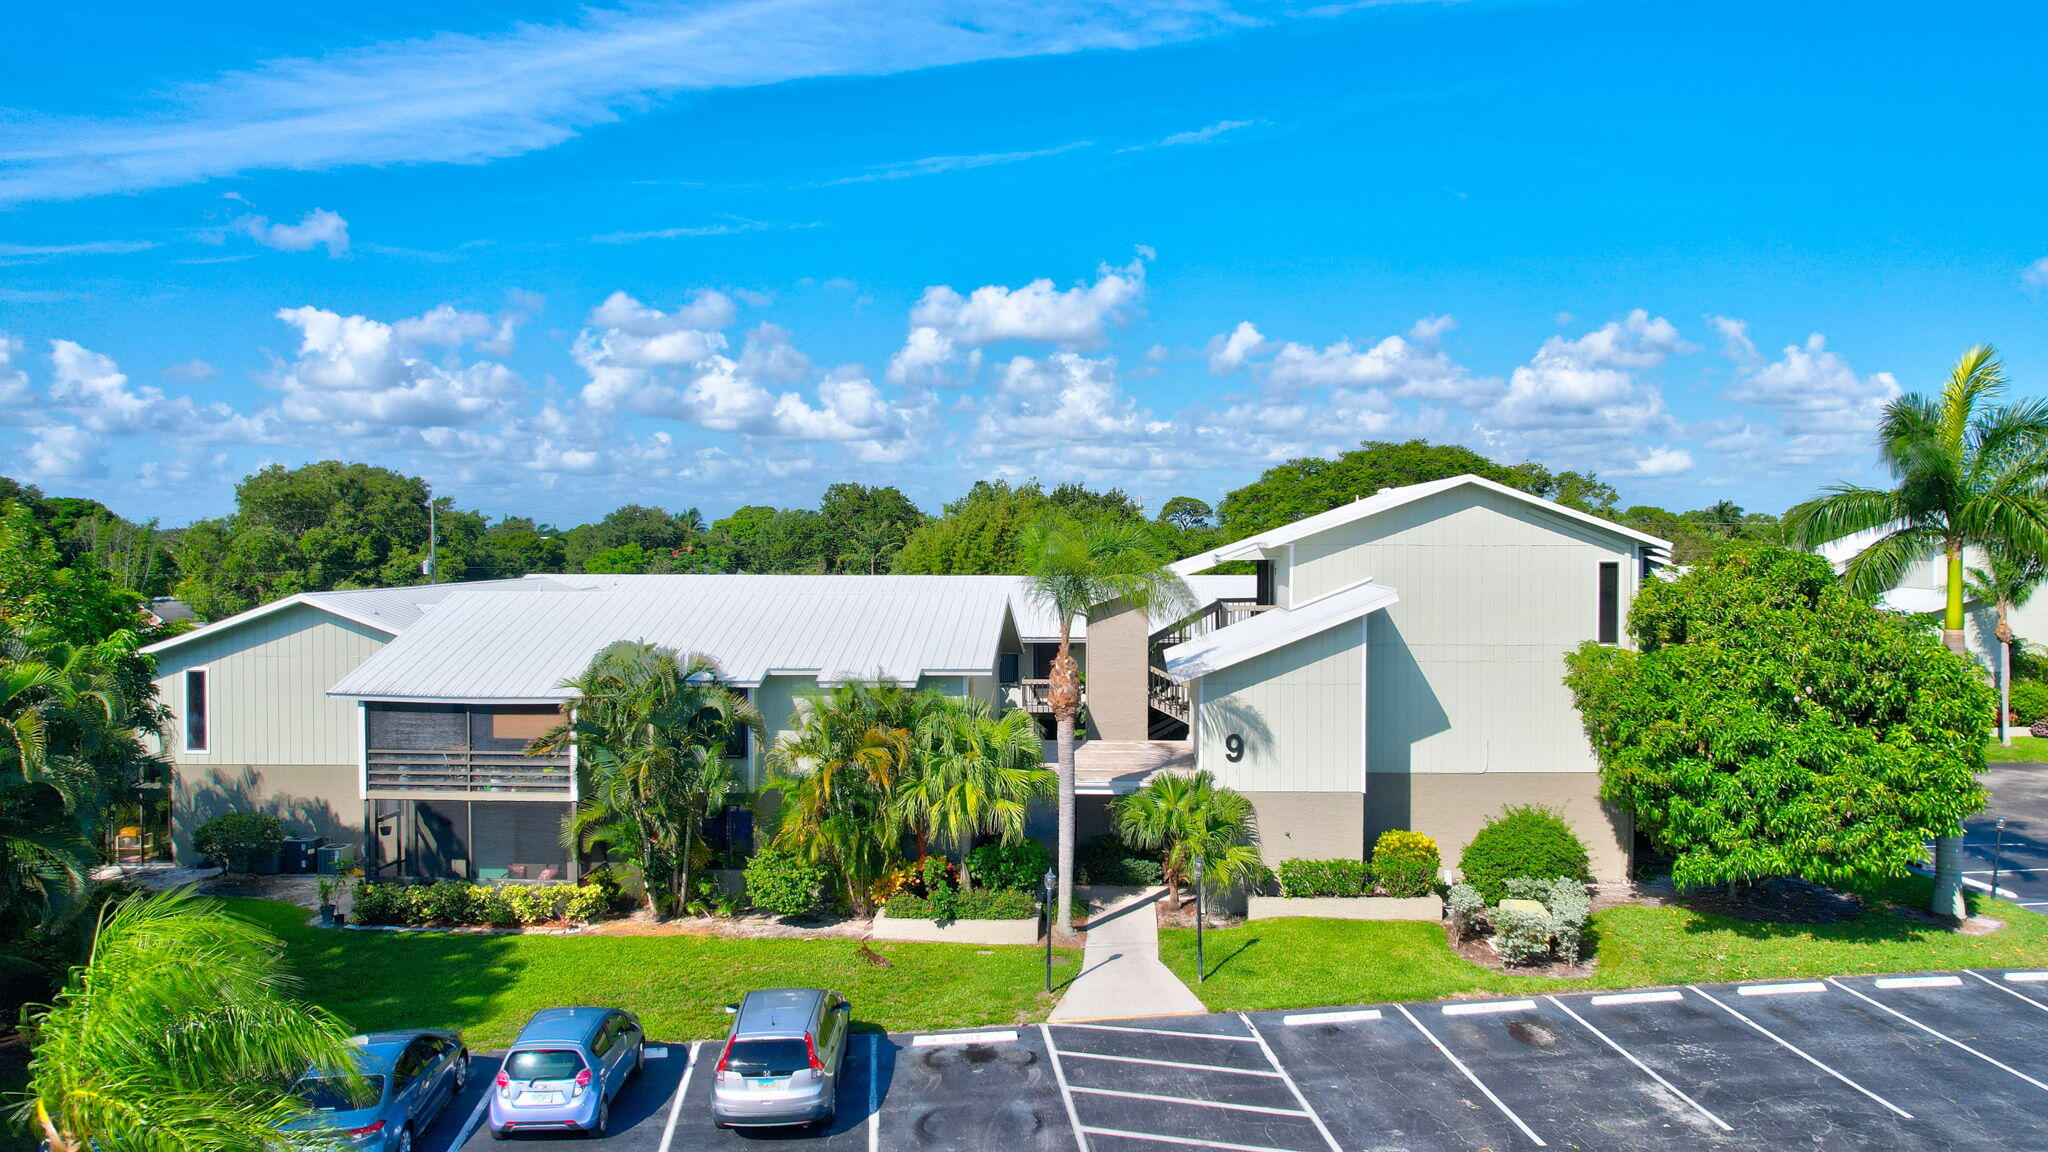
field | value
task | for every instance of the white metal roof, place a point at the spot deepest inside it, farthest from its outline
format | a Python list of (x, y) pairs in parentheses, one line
[(1274, 628), (390, 610), (1390, 498), (522, 645)]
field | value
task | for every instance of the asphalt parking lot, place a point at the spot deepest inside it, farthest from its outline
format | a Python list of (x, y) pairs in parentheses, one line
[(1941, 1060), (2018, 858)]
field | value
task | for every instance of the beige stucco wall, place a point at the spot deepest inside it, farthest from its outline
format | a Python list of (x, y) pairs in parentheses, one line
[(1297, 710), (1310, 825), (1451, 808), (311, 799), (1119, 643)]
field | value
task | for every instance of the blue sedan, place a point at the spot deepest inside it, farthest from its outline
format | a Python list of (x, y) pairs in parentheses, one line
[(409, 1077)]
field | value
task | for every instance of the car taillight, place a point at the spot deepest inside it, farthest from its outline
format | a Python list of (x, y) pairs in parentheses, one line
[(724, 1056), (504, 1081), (811, 1048), (582, 1081), (367, 1129)]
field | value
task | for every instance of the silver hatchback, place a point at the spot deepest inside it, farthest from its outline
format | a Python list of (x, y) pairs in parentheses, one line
[(782, 1058)]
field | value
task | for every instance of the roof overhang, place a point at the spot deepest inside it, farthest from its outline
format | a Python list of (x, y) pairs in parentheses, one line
[(1273, 629), (257, 613)]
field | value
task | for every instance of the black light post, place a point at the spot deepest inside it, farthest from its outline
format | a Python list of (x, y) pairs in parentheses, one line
[(1201, 966), (1997, 856), (1049, 880)]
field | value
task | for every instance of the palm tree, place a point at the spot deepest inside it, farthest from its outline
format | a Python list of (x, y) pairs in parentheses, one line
[(652, 730), (974, 773), (2007, 581), (1074, 566), (178, 1034), (1968, 475), (1189, 818), (838, 770)]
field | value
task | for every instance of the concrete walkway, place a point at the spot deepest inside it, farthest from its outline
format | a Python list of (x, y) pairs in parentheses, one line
[(1120, 970)]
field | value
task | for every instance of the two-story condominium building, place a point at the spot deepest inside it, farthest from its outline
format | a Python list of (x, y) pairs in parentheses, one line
[(1394, 663)]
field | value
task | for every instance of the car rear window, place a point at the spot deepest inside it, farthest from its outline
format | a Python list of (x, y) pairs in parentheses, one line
[(767, 1057), (331, 1095), (543, 1064)]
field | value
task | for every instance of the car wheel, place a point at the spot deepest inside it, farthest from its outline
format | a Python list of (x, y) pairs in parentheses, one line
[(404, 1142), (604, 1120), (461, 1072), (640, 1059), (825, 1121)]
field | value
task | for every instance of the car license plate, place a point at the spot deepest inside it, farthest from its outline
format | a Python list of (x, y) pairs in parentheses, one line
[(764, 1082), (540, 1097)]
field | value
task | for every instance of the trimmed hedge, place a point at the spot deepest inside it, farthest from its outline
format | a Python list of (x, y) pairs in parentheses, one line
[(1305, 879), (1523, 841), (980, 904), (2030, 700), (1020, 867), (458, 902), (782, 883), (1405, 863)]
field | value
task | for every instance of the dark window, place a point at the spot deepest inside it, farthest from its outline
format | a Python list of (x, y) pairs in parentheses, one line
[(736, 743), (1007, 667), (412, 1062), (322, 1094), (767, 1057), (543, 1064), (1263, 581), (606, 1037), (1610, 602), (195, 710)]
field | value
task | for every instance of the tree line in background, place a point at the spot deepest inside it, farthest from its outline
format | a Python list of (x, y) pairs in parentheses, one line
[(333, 525)]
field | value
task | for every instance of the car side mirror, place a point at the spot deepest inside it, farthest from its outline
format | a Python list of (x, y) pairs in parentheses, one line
[(732, 1009), (844, 1006)]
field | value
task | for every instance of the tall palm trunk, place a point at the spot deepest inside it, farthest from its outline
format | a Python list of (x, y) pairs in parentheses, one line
[(1064, 694), (1948, 850), (2004, 674)]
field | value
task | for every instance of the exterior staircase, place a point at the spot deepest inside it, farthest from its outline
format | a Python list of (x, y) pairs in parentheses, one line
[(1172, 712)]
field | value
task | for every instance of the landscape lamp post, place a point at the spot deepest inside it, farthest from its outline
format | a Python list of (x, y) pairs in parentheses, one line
[(1049, 880), (1997, 856), (1201, 966)]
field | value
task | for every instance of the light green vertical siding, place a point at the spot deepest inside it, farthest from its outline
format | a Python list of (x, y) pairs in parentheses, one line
[(269, 680), (1467, 670), (1298, 710)]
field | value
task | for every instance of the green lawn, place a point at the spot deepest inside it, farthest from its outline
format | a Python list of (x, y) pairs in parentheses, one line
[(1314, 963), (486, 986), (2030, 749)]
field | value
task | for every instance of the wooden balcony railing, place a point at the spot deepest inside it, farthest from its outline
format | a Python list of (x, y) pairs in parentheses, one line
[(1033, 696), (460, 770), (1220, 614)]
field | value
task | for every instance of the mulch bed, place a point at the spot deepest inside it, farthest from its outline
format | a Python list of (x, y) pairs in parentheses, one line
[(1781, 901), (1479, 952)]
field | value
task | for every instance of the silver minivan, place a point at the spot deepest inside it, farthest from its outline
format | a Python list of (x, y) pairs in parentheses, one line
[(781, 1060)]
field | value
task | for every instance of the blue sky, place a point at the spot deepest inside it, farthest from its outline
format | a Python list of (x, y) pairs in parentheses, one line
[(558, 258)]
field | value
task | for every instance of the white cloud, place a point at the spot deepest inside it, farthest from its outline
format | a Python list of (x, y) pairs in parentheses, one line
[(190, 372), (1584, 394), (928, 357), (626, 342), (933, 165), (1411, 366), (64, 451), (2036, 274), (1195, 136), (354, 376), (1824, 410), (462, 97), (90, 388), (1656, 462), (14, 389), (1078, 317), (315, 228), (1228, 352)]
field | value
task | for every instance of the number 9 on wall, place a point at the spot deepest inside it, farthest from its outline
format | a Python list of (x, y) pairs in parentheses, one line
[(1233, 747)]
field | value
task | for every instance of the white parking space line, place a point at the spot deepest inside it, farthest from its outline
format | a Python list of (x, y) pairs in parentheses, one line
[(1476, 1082), (475, 1118), (1665, 997), (1156, 1032), (668, 1130), (1803, 986), (1919, 981), (1355, 1016), (1800, 1052), (1153, 1096), (1184, 1141), (940, 1041), (2034, 904), (874, 1091), (1484, 1007), (2010, 992), (1289, 1081), (1071, 1055), (1981, 886), (2026, 977), (1942, 1036), (1066, 1094), (2008, 871), (1647, 1070)]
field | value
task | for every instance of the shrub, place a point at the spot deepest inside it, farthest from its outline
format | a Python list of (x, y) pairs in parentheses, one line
[(980, 904), (1521, 937), (1467, 906), (783, 884), (239, 839), (444, 902), (1302, 879), (1106, 860), (1018, 867), (594, 899), (458, 902), (2039, 728), (1526, 840), (1569, 908), (2030, 700), (377, 903), (1405, 863), (941, 897)]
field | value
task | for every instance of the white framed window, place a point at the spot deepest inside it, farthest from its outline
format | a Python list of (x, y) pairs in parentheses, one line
[(198, 709), (1609, 622)]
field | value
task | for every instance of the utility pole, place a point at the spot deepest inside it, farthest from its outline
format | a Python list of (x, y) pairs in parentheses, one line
[(432, 562)]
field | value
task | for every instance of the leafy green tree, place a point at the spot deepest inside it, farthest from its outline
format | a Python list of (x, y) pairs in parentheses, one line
[(178, 1034), (1969, 475), (1075, 566), (1185, 512), (653, 530), (838, 770), (516, 546), (1303, 487), (1770, 722), (870, 525), (652, 729), (1188, 817), (625, 559), (973, 773), (982, 533)]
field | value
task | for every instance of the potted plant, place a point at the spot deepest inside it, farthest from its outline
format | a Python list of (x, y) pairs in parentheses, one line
[(328, 887)]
